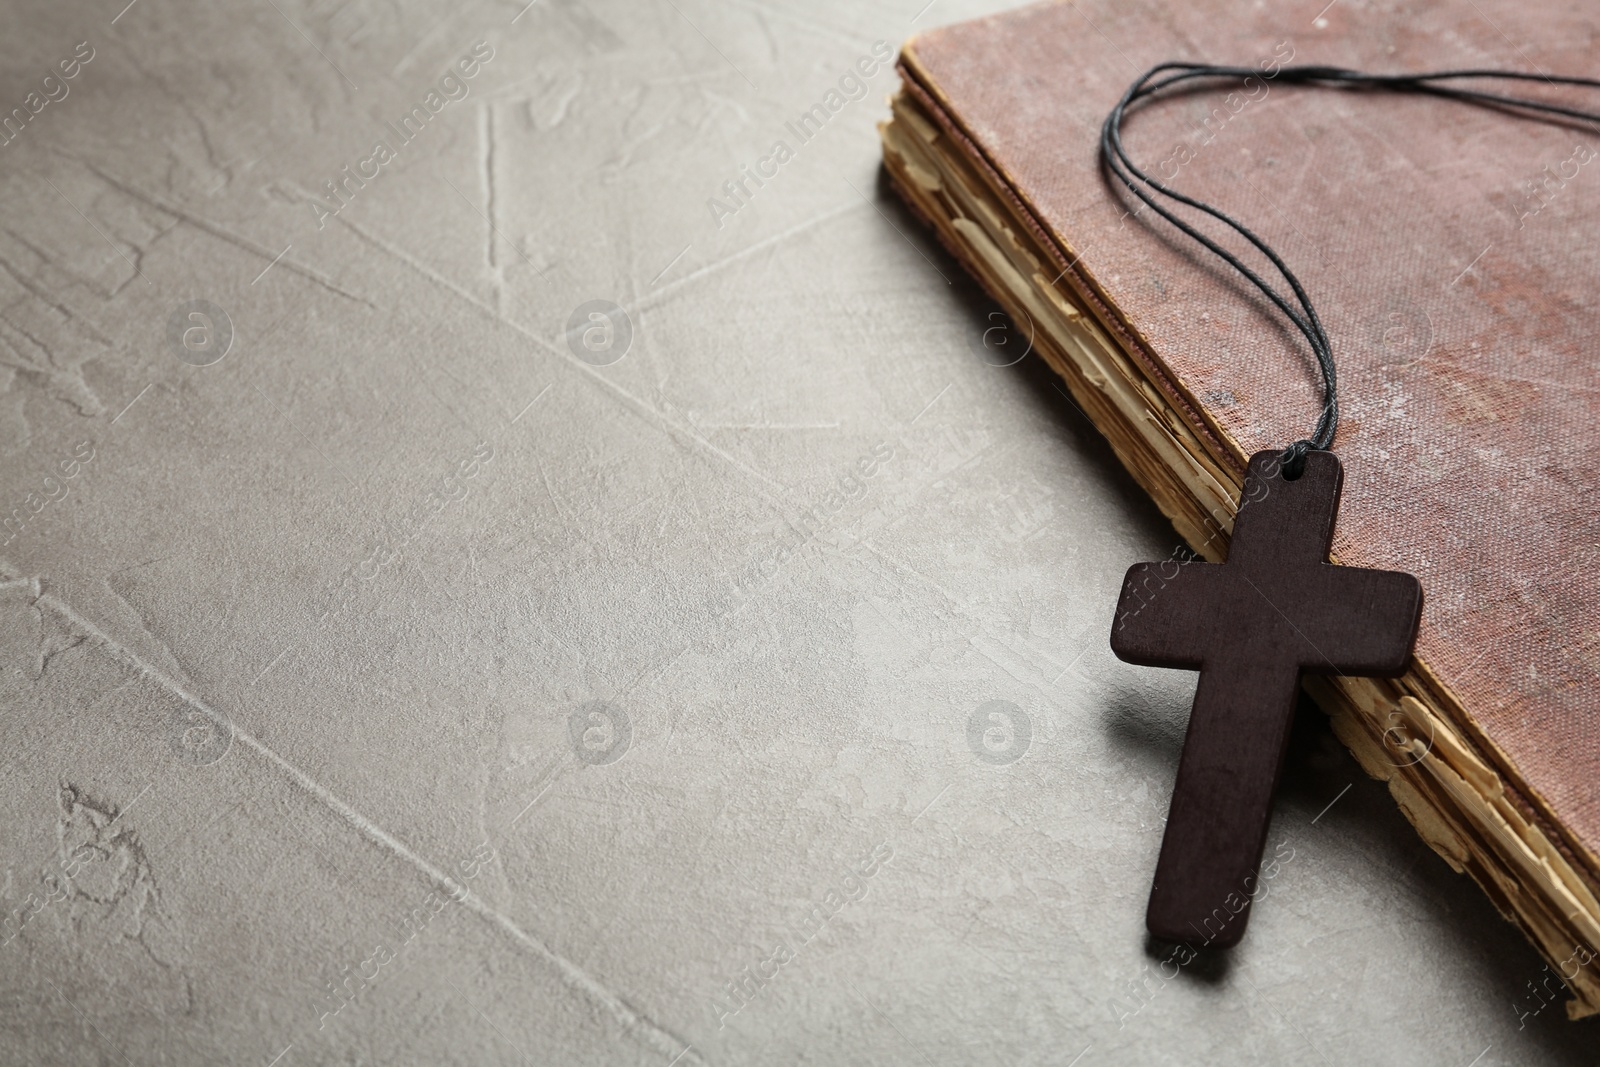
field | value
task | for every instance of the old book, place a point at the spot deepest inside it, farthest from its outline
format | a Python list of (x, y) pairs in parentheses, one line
[(1451, 251)]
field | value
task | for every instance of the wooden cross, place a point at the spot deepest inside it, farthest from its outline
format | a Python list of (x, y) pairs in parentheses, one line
[(1251, 627)]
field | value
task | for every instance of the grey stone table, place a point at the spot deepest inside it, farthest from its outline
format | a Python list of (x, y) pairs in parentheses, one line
[(487, 580)]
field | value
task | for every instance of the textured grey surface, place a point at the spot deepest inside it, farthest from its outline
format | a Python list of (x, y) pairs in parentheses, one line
[(403, 688)]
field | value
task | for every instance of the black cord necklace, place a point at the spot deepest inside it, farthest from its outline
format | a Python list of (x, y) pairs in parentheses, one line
[(1299, 308), (1276, 609)]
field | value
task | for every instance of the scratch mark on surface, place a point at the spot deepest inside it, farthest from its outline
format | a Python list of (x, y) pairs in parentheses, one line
[(39, 292), (929, 805), (1057, 679), (45, 258), (271, 665), (1314, 1047), (890, 1021), (597, 37), (64, 383), (411, 54), (274, 263), (488, 1020), (656, 298), (1474, 263), (549, 488), (86, 1019), (1107, 40), (712, 43), (563, 104), (486, 137), (99, 231), (649, 413), (182, 102), (1331, 803), (769, 425), (493, 232), (313, 44), (132, 402), (838, 33), (932, 402), (536, 798), (574, 976), (218, 231), (901, 565), (124, 809), (649, 677), (532, 402), (669, 266)]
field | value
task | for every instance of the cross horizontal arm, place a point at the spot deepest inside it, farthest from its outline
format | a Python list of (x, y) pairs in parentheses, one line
[(1163, 614), (1351, 620)]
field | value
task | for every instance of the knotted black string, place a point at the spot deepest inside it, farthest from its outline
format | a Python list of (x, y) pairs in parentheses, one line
[(1300, 310)]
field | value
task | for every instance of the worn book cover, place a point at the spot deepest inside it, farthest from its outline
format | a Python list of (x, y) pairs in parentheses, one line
[(1451, 250)]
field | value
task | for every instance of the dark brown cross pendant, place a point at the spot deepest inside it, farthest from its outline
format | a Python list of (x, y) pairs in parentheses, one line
[(1251, 627)]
